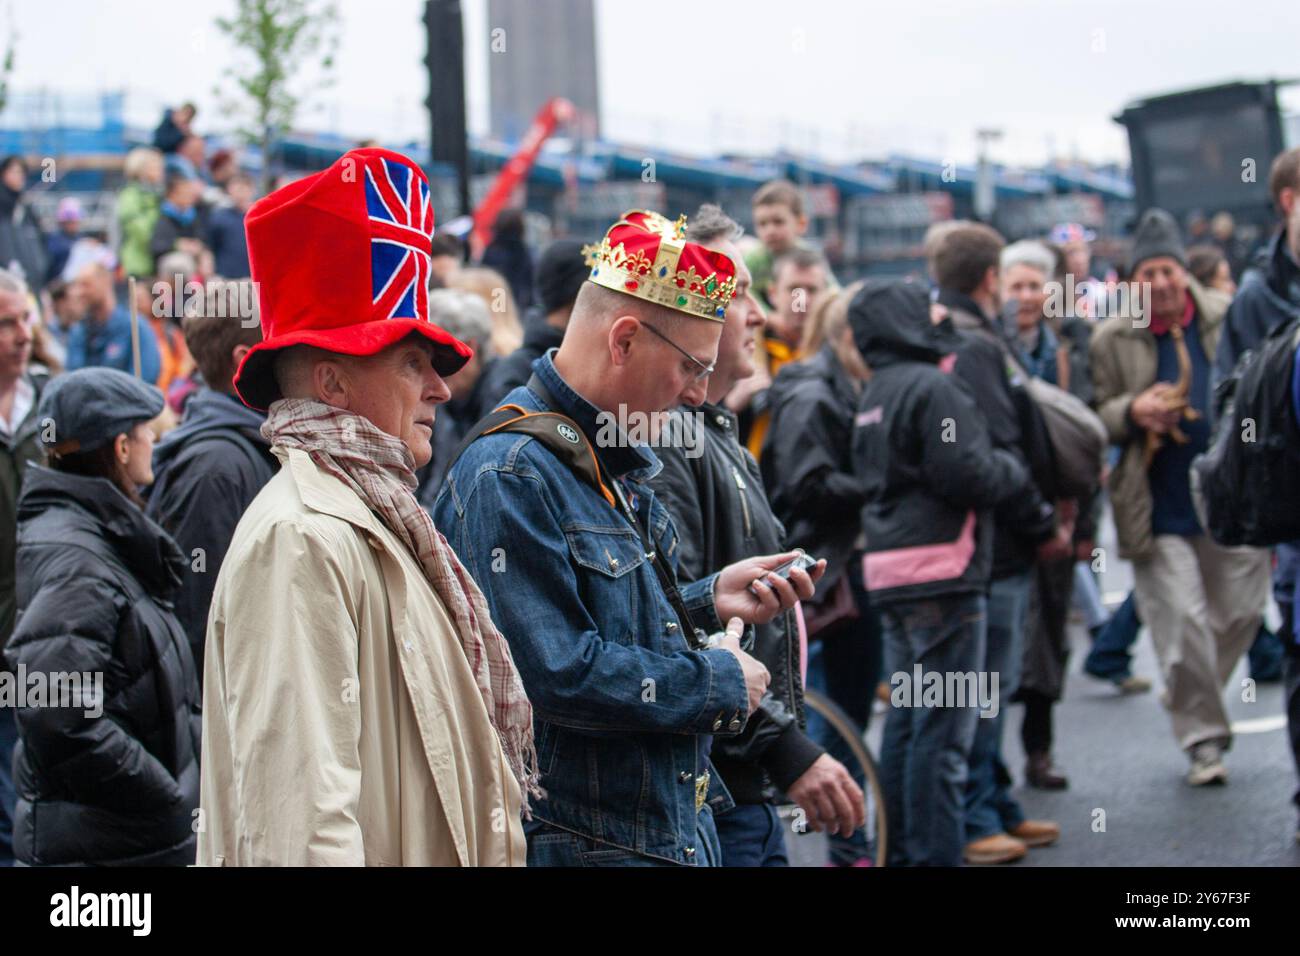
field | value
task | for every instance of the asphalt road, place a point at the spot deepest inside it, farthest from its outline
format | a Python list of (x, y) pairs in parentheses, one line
[(1121, 759)]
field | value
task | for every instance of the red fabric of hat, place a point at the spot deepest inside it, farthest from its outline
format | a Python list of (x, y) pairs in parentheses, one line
[(340, 261)]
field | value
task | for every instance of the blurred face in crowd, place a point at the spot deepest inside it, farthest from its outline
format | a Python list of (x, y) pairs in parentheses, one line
[(240, 191), (445, 268), (135, 453), (1289, 200), (15, 335), (193, 148), (397, 390), (1167, 280), (777, 226), (1222, 278), (1023, 284), (93, 287), (153, 171), (739, 330), (14, 175), (793, 290), (1078, 259)]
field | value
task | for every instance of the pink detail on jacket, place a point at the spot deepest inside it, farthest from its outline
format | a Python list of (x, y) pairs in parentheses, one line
[(923, 564)]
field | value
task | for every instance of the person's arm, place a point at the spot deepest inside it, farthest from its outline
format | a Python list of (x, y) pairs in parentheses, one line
[(288, 649), (71, 626), (1113, 400), (960, 463), (506, 533), (805, 457)]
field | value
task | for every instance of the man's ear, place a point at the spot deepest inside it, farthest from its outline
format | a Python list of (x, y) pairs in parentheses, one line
[(330, 383), (801, 224), (237, 355), (1287, 200), (992, 283), (621, 334)]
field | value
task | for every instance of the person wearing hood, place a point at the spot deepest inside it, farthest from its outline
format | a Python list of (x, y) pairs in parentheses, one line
[(932, 478), (107, 769), (208, 471), (21, 241)]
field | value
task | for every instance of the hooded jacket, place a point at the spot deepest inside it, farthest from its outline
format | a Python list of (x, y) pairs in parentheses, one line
[(95, 582), (924, 453), (206, 473), (807, 460), (714, 494), (17, 451)]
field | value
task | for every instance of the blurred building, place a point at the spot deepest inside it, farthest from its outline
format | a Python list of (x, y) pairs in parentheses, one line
[(532, 58)]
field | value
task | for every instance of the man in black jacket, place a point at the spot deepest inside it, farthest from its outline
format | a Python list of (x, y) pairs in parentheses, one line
[(965, 266), (1270, 296), (209, 470), (711, 486), (560, 274), (933, 478)]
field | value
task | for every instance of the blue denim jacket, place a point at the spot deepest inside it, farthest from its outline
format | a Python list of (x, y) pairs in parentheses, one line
[(622, 706)]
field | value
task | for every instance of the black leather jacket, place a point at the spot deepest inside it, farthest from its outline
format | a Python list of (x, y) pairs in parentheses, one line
[(715, 496)]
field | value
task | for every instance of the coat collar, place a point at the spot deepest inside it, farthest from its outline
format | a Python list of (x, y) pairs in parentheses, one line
[(324, 493)]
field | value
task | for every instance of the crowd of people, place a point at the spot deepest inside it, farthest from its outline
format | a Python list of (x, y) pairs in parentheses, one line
[(367, 576)]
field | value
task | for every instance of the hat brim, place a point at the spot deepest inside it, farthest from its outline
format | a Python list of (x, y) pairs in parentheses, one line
[(255, 380)]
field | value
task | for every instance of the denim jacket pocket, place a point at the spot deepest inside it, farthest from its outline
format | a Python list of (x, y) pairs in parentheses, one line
[(612, 552)]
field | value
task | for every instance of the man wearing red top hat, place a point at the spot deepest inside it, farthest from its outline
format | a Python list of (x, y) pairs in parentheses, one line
[(360, 706), (578, 564)]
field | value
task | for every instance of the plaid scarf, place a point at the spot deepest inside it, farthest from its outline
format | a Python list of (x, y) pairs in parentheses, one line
[(380, 470)]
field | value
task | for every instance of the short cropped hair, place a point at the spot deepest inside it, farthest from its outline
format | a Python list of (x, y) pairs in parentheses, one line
[(710, 224), (463, 314), (1029, 252), (1284, 174), (214, 332), (964, 256)]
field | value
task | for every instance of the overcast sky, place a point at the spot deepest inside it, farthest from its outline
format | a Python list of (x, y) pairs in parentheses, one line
[(841, 79)]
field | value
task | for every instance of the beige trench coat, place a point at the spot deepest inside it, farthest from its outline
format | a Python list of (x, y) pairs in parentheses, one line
[(1124, 358), (342, 724)]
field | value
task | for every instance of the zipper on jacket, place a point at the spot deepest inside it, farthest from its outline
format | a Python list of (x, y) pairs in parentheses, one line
[(744, 501)]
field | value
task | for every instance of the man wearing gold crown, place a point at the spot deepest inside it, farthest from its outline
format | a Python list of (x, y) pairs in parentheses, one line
[(577, 562)]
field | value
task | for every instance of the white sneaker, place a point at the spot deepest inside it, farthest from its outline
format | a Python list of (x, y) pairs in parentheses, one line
[(1207, 766)]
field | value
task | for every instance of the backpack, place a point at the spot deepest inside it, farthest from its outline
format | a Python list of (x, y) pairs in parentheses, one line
[(1246, 484), (1078, 439)]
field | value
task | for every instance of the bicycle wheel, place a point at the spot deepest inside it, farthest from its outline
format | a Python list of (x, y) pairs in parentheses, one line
[(849, 747)]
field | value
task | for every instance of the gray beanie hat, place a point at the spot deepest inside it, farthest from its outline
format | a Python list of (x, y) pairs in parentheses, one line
[(1157, 235)]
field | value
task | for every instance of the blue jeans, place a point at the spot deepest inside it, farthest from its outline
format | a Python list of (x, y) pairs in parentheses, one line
[(750, 834), (925, 749), (8, 795), (990, 808), (1110, 658), (552, 846)]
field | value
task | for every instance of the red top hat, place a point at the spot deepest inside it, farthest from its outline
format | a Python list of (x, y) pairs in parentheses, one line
[(341, 261)]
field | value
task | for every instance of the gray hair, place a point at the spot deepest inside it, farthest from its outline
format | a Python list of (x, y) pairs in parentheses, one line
[(711, 224), (11, 282), (461, 313), (1029, 252)]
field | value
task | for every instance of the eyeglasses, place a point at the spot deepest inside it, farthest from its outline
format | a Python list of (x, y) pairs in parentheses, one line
[(705, 370)]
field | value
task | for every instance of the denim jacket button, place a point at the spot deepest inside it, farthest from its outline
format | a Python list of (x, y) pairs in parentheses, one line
[(735, 725), (717, 724), (690, 852), (671, 626), (685, 776)]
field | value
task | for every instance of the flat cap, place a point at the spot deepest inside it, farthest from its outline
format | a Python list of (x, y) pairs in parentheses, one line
[(91, 406)]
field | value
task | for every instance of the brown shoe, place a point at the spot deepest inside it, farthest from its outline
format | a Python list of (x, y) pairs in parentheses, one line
[(1037, 832), (1040, 773), (998, 848)]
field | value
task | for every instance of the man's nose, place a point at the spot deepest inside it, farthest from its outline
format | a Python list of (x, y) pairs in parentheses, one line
[(696, 392), (436, 389)]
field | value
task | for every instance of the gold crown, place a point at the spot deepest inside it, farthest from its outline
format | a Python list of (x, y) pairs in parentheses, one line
[(660, 279)]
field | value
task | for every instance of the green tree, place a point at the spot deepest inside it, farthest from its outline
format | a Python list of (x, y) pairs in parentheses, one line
[(276, 38)]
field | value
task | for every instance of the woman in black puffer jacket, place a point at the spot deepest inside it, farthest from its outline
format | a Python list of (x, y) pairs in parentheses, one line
[(110, 778)]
